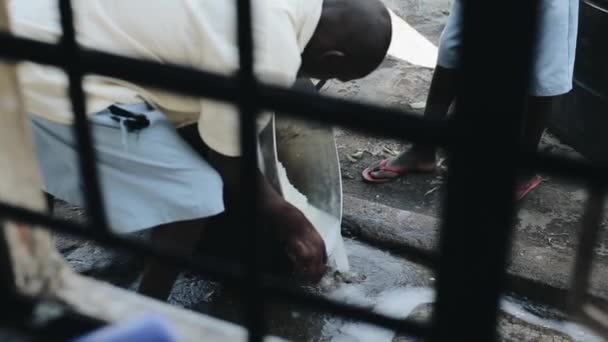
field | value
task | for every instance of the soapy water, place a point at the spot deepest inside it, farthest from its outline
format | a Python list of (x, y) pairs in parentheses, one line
[(328, 226), (379, 286), (574, 330), (397, 303), (401, 302), (394, 300)]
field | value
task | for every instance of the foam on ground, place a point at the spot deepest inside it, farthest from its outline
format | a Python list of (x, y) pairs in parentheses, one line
[(328, 226)]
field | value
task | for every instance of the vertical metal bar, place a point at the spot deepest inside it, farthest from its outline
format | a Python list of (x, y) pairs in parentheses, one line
[(479, 208), (588, 238), (8, 287), (248, 107), (7, 276), (82, 131)]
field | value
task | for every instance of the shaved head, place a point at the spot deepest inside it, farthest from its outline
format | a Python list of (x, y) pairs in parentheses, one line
[(350, 41)]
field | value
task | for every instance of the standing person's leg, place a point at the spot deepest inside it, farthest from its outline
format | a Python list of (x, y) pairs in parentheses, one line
[(552, 74), (442, 94), (553, 65), (419, 158), (538, 109)]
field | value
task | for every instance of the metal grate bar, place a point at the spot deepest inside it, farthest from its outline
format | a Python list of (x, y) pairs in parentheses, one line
[(248, 108), (567, 168), (587, 241), (477, 238), (476, 232), (7, 282), (385, 121), (82, 131), (221, 270)]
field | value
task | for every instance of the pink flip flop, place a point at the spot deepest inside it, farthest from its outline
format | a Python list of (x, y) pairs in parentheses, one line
[(525, 188), (369, 178)]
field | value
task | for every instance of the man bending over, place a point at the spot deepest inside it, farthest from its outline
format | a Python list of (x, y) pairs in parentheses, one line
[(152, 178)]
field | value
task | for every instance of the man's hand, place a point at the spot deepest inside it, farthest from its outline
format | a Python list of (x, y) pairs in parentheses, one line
[(292, 229), (303, 243)]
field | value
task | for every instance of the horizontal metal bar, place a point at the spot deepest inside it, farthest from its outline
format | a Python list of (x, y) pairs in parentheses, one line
[(387, 122), (176, 78), (217, 269), (384, 121), (228, 272), (565, 167)]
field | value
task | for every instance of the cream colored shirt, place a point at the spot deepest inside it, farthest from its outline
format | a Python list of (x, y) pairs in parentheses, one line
[(197, 33)]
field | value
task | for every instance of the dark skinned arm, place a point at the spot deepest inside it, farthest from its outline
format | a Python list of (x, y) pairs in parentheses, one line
[(303, 243)]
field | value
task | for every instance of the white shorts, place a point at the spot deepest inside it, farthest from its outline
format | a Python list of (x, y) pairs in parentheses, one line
[(149, 177), (554, 53)]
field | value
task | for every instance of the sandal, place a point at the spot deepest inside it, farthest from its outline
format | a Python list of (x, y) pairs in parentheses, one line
[(525, 188), (382, 166)]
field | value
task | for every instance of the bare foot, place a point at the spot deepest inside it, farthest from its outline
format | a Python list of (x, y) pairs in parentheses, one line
[(304, 245)]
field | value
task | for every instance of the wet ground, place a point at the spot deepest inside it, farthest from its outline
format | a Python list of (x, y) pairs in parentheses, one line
[(379, 280)]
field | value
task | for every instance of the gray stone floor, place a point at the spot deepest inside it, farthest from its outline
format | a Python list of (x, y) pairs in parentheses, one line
[(548, 218)]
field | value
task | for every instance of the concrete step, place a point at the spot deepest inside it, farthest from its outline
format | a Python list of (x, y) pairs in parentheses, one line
[(541, 271)]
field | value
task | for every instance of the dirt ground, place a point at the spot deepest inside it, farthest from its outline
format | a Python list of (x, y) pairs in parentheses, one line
[(548, 217)]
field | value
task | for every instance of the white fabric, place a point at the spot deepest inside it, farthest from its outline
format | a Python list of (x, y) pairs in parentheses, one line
[(196, 33), (148, 177), (554, 53)]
